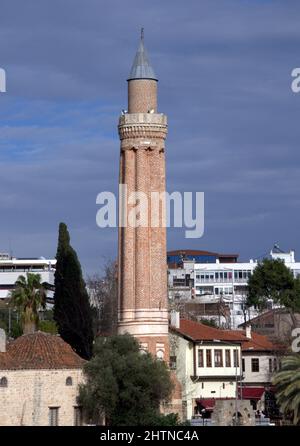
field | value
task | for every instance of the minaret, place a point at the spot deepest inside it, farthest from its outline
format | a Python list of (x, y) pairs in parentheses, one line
[(142, 250)]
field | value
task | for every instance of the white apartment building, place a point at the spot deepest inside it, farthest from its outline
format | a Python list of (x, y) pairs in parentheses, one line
[(218, 281), (11, 268)]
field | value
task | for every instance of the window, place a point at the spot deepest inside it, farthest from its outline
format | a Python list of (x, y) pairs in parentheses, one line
[(236, 362), (202, 385), (69, 381), (3, 382), (227, 358), (208, 358), (200, 358), (223, 385), (218, 358), (255, 364), (53, 416), (275, 366), (270, 365), (160, 354), (173, 360), (77, 416), (243, 364)]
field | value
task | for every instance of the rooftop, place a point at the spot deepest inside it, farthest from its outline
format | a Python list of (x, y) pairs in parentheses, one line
[(196, 332), (141, 67), (39, 351)]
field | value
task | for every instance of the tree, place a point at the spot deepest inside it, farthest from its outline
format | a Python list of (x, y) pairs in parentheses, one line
[(103, 290), (72, 311), (271, 279), (125, 385), (287, 383), (208, 322), (29, 296)]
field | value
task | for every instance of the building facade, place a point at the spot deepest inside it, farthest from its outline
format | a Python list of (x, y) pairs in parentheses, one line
[(12, 267), (142, 306), (39, 379), (218, 282), (261, 359), (207, 362), (216, 365), (277, 324)]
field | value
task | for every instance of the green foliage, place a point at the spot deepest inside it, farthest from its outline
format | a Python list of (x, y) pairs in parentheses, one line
[(125, 385), (164, 420), (16, 329), (287, 382), (72, 311), (48, 326), (29, 296), (209, 322), (271, 279)]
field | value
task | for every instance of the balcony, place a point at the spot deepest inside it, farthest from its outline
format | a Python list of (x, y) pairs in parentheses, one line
[(223, 280)]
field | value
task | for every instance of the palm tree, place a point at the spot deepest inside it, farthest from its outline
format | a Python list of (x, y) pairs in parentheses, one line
[(29, 296), (287, 382)]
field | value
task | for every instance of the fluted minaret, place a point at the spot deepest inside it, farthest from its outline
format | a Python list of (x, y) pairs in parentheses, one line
[(142, 250)]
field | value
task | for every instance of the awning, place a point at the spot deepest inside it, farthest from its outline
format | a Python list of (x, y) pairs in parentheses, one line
[(251, 393), (206, 403)]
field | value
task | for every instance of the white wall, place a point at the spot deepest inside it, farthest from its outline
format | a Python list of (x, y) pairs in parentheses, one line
[(202, 388), (9, 278), (217, 371), (264, 374)]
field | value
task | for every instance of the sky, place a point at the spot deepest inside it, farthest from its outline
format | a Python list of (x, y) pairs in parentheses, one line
[(224, 70)]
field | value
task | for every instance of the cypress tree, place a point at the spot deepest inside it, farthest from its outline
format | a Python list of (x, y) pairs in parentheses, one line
[(72, 311)]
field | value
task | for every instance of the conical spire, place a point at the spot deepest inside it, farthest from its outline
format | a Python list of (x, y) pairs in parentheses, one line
[(141, 67)]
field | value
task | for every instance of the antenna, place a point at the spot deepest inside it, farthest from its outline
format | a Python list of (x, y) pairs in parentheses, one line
[(142, 34), (10, 248)]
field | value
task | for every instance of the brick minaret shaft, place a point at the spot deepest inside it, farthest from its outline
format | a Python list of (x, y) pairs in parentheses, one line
[(142, 250)]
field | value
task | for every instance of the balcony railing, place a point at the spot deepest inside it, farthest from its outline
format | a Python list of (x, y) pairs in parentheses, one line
[(221, 280)]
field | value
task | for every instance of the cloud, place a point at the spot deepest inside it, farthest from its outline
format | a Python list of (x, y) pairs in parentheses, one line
[(224, 82)]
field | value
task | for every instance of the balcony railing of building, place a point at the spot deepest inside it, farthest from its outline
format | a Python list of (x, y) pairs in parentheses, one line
[(221, 280)]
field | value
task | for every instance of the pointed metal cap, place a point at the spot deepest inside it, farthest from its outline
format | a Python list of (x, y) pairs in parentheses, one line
[(141, 67)]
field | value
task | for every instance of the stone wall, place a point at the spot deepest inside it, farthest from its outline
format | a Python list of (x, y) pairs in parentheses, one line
[(224, 413), (29, 394)]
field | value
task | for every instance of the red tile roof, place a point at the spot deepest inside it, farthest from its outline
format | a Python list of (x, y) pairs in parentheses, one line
[(259, 342), (201, 332), (39, 351)]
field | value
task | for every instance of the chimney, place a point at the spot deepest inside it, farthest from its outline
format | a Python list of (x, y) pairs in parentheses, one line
[(175, 319), (2, 341), (248, 331)]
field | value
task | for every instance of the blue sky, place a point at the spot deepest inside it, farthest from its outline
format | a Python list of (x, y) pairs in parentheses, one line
[(224, 71)]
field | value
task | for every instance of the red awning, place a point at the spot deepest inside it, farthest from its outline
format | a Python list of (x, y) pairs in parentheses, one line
[(206, 403), (251, 393)]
